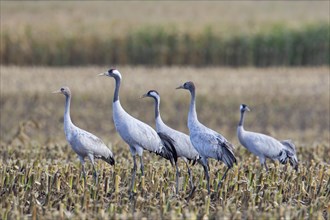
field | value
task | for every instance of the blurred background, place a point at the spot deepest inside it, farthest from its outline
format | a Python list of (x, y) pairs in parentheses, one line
[(273, 56), (224, 33)]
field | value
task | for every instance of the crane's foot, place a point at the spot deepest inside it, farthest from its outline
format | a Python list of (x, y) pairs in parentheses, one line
[(132, 195), (219, 185), (214, 196), (96, 179), (191, 193), (84, 180)]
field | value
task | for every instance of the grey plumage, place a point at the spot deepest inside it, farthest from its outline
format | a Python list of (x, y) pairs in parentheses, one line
[(208, 143), (179, 140), (138, 135), (264, 146), (82, 142)]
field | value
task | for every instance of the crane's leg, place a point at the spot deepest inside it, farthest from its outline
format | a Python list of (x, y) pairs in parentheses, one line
[(95, 175), (84, 174), (82, 161), (191, 183), (263, 162), (266, 166), (207, 179), (141, 166), (223, 177), (177, 178), (133, 174), (205, 166)]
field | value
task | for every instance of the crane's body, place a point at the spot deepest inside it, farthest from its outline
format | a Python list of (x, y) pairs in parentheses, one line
[(138, 135), (207, 142), (264, 146), (181, 141), (135, 133), (84, 143)]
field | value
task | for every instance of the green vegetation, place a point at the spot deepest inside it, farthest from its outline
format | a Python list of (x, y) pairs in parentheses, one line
[(165, 33), (156, 46)]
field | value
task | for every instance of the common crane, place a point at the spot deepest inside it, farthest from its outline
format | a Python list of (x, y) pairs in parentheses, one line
[(82, 142), (208, 143), (181, 141), (138, 135), (264, 146)]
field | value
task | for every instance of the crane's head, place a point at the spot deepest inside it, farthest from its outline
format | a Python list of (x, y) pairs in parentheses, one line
[(187, 85), (244, 108), (152, 93), (111, 73), (64, 90)]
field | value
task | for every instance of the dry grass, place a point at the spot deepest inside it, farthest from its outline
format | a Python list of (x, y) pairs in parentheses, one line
[(289, 103), (40, 174), (117, 18), (49, 185)]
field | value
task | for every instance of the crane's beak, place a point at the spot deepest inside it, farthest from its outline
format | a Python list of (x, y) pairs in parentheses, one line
[(102, 74), (180, 87), (143, 96), (57, 91), (247, 109)]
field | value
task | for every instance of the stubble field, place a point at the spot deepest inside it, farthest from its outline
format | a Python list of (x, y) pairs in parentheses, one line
[(40, 174)]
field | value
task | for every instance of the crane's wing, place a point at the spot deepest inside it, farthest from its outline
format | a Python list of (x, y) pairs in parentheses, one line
[(168, 150), (214, 146), (140, 134), (291, 152), (94, 145)]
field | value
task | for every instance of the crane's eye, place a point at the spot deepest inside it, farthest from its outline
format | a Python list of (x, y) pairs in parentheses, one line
[(110, 70), (62, 89)]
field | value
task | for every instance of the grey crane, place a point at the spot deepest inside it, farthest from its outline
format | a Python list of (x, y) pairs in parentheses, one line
[(181, 141), (264, 146), (138, 135), (82, 142), (208, 143)]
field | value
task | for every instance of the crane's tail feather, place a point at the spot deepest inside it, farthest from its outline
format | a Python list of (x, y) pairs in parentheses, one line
[(227, 155), (110, 160), (294, 162), (289, 145), (290, 150), (168, 151)]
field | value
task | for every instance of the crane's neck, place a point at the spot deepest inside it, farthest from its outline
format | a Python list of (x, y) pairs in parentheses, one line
[(241, 121), (116, 93), (240, 130), (67, 118), (192, 115), (157, 104), (157, 114)]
